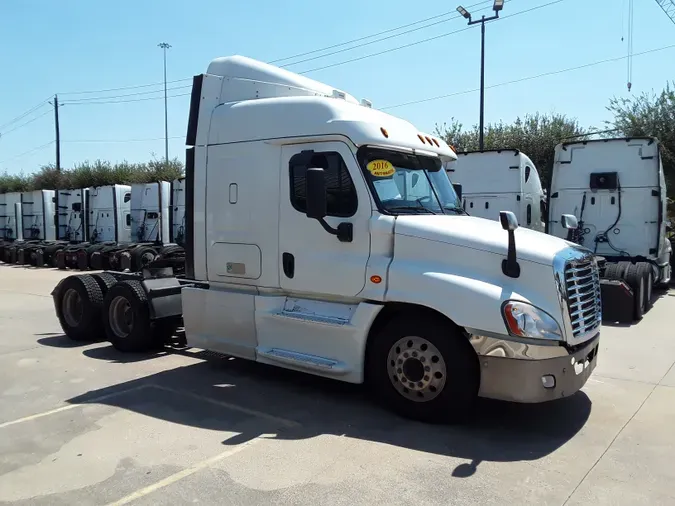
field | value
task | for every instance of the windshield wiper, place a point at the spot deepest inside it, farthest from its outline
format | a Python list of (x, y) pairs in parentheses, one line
[(456, 209), (418, 210)]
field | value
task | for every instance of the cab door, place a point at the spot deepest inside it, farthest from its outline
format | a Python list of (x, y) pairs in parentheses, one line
[(312, 260)]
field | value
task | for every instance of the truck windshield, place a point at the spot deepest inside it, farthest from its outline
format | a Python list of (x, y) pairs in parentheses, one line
[(406, 183)]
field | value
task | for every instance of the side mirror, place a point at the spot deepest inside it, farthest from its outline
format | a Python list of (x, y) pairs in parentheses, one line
[(508, 220), (569, 221), (317, 205), (316, 194), (458, 190), (510, 266)]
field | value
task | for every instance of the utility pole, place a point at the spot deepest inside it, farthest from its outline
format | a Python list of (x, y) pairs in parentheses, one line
[(58, 135), (164, 47), (496, 7)]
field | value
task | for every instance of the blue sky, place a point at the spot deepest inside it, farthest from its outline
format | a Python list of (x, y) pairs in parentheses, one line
[(72, 45)]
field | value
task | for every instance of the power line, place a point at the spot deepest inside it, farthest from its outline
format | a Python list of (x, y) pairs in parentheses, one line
[(125, 87), (125, 101), (23, 115), (366, 37), (389, 36), (79, 100), (391, 50), (26, 123), (28, 152), (522, 79), (103, 141), (88, 92)]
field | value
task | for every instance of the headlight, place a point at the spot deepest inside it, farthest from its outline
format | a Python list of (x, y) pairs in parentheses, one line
[(524, 320)]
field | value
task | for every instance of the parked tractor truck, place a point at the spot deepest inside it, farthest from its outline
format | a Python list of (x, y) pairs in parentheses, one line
[(616, 190), (306, 248), (498, 180)]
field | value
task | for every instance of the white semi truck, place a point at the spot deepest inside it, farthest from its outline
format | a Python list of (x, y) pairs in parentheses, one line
[(617, 191), (306, 248), (498, 180)]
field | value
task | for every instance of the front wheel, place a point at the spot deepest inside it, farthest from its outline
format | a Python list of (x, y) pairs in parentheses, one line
[(426, 371)]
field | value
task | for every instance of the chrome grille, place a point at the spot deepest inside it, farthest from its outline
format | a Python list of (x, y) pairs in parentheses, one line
[(582, 282)]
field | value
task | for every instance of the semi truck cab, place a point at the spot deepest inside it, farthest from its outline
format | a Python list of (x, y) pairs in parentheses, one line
[(500, 180), (324, 236)]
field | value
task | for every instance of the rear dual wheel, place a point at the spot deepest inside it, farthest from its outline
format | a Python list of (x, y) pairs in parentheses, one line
[(79, 308), (126, 319), (640, 278)]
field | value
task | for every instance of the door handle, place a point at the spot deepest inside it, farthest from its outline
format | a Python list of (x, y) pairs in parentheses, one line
[(288, 262)]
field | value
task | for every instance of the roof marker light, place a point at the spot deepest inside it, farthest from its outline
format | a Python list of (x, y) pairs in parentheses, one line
[(384, 132), (419, 136), (366, 103), (339, 94)]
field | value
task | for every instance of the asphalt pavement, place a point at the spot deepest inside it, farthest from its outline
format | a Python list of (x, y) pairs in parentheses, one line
[(83, 424)]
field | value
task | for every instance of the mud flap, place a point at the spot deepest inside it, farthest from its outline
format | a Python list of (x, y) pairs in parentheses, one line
[(39, 258), (617, 301)]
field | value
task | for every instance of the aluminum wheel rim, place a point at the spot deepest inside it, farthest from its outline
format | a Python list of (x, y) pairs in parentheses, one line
[(416, 369), (121, 317), (72, 307)]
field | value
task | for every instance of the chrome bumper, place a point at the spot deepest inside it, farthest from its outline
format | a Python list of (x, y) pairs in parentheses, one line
[(530, 373)]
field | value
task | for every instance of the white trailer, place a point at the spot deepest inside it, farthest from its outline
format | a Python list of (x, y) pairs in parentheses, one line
[(178, 211), (71, 214), (616, 190), (305, 250), (8, 216), (492, 181)]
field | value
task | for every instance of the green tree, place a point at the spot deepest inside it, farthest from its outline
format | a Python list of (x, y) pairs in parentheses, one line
[(650, 114), (536, 135), (97, 173)]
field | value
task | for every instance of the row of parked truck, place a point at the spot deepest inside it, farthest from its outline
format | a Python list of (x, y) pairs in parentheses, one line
[(325, 236), (614, 188), (117, 227)]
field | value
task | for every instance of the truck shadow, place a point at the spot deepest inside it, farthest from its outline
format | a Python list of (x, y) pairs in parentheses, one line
[(222, 388)]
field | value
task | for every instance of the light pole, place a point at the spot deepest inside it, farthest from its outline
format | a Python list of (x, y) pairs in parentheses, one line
[(164, 47), (497, 6)]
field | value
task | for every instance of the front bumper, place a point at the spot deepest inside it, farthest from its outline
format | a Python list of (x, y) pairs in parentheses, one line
[(517, 372)]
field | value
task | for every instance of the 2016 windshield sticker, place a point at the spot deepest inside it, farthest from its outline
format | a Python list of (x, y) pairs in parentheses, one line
[(381, 168)]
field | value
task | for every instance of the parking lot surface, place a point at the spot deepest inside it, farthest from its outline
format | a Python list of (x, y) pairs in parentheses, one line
[(83, 424)]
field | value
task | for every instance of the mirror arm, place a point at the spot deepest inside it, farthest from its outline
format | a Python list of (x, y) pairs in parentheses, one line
[(510, 266), (344, 231)]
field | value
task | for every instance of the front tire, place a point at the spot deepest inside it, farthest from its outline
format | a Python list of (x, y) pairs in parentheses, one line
[(424, 370)]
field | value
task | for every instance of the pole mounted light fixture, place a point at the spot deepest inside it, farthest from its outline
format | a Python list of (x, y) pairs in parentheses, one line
[(464, 12), (164, 46), (497, 6)]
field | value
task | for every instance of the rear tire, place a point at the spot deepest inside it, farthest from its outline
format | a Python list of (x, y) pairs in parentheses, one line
[(79, 308), (636, 281), (645, 270), (424, 370), (105, 280), (612, 271), (126, 318), (141, 257)]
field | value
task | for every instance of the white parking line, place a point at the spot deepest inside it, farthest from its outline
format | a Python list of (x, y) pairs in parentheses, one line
[(72, 406), (186, 472)]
